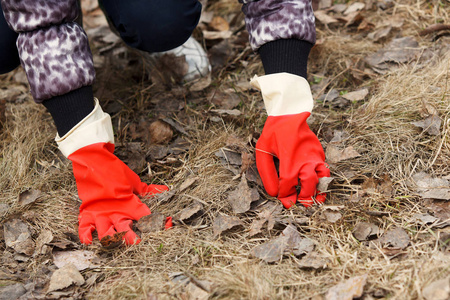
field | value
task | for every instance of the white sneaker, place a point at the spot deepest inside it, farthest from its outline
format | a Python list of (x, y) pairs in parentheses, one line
[(196, 58)]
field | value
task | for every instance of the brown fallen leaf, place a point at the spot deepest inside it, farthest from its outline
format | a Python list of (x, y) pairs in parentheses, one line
[(424, 218), (324, 18), (398, 51), (29, 196), (230, 112), (289, 242), (18, 236), (223, 223), (431, 124), (160, 132), (152, 223), (110, 242), (187, 183), (241, 198), (313, 260), (354, 7), (189, 212), (396, 238), (219, 24), (216, 35), (270, 214), (323, 183), (42, 240), (356, 95), (229, 157), (81, 259), (437, 290), (65, 277), (431, 187), (332, 216), (335, 155), (347, 290), (440, 209), (380, 33), (364, 231)]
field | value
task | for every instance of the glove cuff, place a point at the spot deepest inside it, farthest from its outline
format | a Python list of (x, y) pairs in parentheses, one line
[(284, 93), (94, 128)]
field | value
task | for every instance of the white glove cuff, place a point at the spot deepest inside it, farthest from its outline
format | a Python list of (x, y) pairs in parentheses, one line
[(94, 128), (284, 93)]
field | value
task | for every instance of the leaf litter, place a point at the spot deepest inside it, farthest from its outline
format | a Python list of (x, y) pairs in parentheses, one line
[(379, 127)]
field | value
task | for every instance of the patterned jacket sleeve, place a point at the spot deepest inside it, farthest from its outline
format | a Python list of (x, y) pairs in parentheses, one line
[(53, 49), (269, 20)]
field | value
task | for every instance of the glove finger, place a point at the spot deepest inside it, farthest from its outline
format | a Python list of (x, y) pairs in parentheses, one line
[(169, 223), (131, 238), (104, 227), (267, 172), (143, 189), (322, 170), (288, 201), (308, 185), (85, 230)]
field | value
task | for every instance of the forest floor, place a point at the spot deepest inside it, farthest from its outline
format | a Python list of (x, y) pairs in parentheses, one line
[(379, 73)]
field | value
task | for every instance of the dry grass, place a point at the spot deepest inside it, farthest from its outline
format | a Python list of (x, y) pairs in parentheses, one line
[(380, 130)]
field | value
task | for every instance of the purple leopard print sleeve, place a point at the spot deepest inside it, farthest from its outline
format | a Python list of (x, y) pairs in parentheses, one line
[(269, 20), (53, 49)]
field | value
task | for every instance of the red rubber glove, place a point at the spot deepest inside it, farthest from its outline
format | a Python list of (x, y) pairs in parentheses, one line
[(287, 136), (107, 187)]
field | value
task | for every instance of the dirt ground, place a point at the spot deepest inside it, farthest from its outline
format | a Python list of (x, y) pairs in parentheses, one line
[(380, 79)]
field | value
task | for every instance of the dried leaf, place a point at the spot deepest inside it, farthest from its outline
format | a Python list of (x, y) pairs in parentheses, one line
[(424, 218), (29, 196), (431, 124), (313, 260), (187, 183), (432, 188), (110, 242), (13, 291), (81, 259), (437, 290), (216, 35), (152, 223), (65, 277), (270, 214), (271, 251), (332, 216), (241, 198), (160, 132), (3, 208), (43, 239), (441, 210), (395, 238), (230, 157), (323, 183), (223, 223), (356, 95), (347, 290), (323, 18), (357, 6), (364, 231), (380, 33), (219, 24), (189, 212), (230, 112), (201, 83), (398, 51), (289, 242), (334, 154), (17, 236)]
